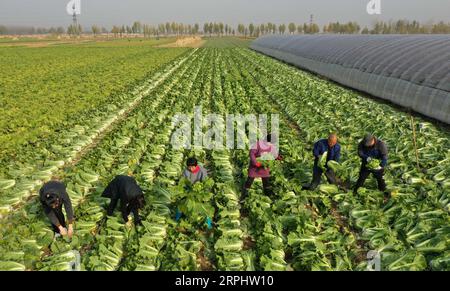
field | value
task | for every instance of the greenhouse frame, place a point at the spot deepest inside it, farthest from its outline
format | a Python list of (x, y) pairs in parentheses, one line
[(412, 71)]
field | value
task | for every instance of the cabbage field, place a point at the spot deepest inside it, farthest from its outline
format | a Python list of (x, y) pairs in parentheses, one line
[(128, 131)]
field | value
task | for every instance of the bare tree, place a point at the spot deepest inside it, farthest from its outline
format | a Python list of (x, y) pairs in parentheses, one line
[(196, 28), (137, 27), (251, 29), (241, 29), (257, 31), (206, 28), (168, 31), (292, 28), (60, 30), (95, 30)]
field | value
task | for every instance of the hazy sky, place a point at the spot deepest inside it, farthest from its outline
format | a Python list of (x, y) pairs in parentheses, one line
[(109, 12)]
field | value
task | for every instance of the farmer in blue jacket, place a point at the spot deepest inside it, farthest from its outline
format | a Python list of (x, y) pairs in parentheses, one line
[(372, 148), (333, 150)]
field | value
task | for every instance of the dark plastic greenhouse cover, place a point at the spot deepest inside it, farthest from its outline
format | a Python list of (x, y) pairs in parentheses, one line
[(409, 70)]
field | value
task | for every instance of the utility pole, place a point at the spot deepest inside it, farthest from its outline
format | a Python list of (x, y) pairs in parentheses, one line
[(74, 17), (311, 22), (73, 8), (75, 20), (74, 14)]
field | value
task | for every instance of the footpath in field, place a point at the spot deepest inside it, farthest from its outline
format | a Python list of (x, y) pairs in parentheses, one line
[(189, 42)]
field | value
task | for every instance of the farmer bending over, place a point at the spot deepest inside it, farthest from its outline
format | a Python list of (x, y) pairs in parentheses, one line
[(370, 149), (129, 193), (194, 172), (332, 148), (256, 169), (53, 196)]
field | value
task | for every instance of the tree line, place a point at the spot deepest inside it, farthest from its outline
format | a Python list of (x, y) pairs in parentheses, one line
[(250, 30), (211, 28), (20, 30), (407, 27)]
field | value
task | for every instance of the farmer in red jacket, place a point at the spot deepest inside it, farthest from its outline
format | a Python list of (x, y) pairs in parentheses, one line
[(256, 169)]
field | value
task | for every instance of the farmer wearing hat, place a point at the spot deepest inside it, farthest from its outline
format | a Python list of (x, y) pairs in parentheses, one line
[(371, 148), (53, 196)]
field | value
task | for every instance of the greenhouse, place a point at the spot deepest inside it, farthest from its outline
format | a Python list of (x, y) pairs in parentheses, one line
[(410, 71)]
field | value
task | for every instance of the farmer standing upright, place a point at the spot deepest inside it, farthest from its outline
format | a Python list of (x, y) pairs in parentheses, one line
[(368, 149), (256, 169), (53, 196)]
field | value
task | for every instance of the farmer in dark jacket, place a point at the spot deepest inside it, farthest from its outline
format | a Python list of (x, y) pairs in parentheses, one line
[(53, 196), (129, 193), (256, 169), (194, 172), (372, 148), (333, 149)]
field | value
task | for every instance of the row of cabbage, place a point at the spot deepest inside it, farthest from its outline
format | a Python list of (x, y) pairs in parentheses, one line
[(118, 153), (27, 172), (410, 232)]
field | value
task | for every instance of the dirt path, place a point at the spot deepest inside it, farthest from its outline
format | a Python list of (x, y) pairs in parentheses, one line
[(190, 42), (38, 44)]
